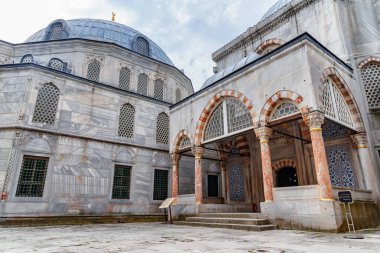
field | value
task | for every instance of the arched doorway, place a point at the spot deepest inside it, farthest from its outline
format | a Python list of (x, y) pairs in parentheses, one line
[(286, 177)]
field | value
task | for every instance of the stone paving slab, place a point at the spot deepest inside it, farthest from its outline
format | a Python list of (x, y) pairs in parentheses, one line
[(157, 237)]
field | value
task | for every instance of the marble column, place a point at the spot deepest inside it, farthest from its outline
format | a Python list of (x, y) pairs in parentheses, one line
[(315, 120), (223, 171), (198, 152), (264, 133), (360, 143), (175, 176)]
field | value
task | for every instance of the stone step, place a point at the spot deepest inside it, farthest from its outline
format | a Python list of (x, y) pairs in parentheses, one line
[(244, 221), (230, 226), (232, 215)]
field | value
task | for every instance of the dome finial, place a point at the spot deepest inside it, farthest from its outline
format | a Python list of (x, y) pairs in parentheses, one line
[(113, 16)]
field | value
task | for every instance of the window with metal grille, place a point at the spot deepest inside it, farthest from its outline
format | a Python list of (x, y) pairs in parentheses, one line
[(124, 78), (142, 84), (55, 32), (121, 186), (46, 104), (228, 117), (126, 121), (56, 64), (159, 89), (335, 106), (161, 178), (93, 70), (185, 143), (32, 177), (27, 58), (162, 128), (178, 95), (284, 109), (142, 46), (371, 82)]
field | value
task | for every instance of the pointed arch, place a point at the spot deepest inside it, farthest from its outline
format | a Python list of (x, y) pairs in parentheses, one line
[(337, 79), (215, 101), (183, 134), (275, 100)]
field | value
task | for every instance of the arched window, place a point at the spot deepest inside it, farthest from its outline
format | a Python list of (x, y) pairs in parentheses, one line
[(283, 110), (46, 105), (335, 106), (178, 95), (185, 143), (93, 70), (142, 84), (230, 116), (159, 89), (55, 31), (27, 59), (124, 78), (371, 82), (142, 46), (162, 128), (56, 64), (126, 121)]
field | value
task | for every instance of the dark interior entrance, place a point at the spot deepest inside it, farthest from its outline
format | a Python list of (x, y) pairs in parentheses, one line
[(287, 177), (213, 185)]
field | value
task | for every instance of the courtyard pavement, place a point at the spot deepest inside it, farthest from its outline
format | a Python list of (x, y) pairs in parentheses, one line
[(157, 237)]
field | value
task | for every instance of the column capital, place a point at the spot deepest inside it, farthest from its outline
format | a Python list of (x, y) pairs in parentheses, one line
[(359, 140), (263, 133), (175, 158), (314, 120), (198, 151)]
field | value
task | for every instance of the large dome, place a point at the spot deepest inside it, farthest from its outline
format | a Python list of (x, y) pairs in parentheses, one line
[(276, 7), (106, 31)]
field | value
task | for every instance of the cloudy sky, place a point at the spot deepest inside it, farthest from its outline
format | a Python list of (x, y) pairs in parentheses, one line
[(187, 30)]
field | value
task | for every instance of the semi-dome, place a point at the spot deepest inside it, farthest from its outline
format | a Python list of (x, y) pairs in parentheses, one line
[(101, 30), (276, 7)]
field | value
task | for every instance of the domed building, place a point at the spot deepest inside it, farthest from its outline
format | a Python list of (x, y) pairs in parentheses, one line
[(95, 119), (85, 120)]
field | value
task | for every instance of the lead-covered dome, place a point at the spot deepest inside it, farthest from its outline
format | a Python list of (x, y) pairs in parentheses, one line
[(102, 30), (275, 8)]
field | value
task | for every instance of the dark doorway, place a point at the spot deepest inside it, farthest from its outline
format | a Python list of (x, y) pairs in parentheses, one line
[(287, 177), (213, 185)]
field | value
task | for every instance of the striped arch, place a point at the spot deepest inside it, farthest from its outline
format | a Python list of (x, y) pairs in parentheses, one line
[(284, 163), (179, 138), (274, 100), (217, 98), (338, 80), (368, 60), (265, 44)]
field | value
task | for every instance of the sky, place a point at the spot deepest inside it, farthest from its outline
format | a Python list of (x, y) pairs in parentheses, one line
[(189, 31)]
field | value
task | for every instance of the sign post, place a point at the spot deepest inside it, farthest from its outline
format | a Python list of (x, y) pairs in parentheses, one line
[(166, 204), (345, 197)]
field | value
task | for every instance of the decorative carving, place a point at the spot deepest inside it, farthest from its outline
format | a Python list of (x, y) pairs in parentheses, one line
[(314, 120), (264, 133), (27, 137), (360, 140)]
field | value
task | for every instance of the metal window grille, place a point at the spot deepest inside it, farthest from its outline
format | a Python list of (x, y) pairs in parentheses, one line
[(32, 177), (162, 128), (161, 178), (178, 95), (27, 58), (142, 84), (121, 182), (126, 121), (371, 82), (56, 64), (93, 70), (124, 78), (159, 89), (238, 117), (46, 105), (215, 127), (335, 105), (285, 109), (55, 31), (142, 46), (185, 143)]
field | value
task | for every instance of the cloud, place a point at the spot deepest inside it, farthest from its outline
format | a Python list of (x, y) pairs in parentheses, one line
[(187, 30)]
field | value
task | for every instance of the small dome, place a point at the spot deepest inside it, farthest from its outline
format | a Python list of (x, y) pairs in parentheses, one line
[(276, 7), (106, 31)]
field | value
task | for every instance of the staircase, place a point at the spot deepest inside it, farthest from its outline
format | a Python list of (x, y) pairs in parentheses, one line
[(240, 221)]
